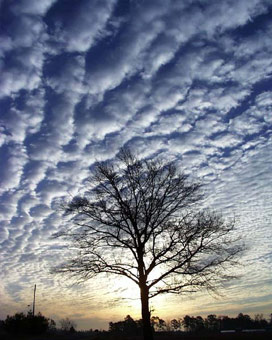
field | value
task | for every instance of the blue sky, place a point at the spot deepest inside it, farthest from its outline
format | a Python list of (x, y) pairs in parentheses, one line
[(183, 80)]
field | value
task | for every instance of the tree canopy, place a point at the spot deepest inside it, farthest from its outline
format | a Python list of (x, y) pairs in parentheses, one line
[(143, 219), (28, 323)]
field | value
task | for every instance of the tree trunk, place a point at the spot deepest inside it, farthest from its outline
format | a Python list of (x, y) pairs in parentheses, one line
[(147, 329)]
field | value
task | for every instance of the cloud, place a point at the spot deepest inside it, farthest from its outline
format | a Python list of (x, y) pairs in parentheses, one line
[(16, 158), (76, 27), (30, 7), (22, 60), (187, 81), (40, 211)]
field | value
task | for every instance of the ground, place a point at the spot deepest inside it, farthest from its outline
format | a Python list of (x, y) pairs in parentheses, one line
[(170, 336)]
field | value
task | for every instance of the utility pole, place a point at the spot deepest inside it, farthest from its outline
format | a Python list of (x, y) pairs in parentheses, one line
[(34, 297)]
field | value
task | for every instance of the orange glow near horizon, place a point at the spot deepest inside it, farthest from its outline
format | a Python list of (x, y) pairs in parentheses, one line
[(96, 303)]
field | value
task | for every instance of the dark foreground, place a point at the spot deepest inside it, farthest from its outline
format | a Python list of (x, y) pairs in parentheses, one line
[(157, 336)]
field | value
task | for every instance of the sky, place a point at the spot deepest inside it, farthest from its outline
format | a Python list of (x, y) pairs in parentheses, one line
[(189, 81)]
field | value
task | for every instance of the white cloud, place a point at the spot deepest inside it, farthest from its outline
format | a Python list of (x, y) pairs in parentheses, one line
[(171, 79), (66, 74), (23, 61), (32, 7), (16, 158), (263, 107), (85, 24), (20, 123), (226, 140)]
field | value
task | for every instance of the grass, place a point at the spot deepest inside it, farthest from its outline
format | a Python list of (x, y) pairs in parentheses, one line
[(157, 336)]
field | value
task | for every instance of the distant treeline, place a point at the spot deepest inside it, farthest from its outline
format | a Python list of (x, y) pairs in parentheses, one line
[(21, 323), (211, 323)]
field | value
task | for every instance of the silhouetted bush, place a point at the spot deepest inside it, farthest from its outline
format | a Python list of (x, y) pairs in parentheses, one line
[(28, 324), (127, 327)]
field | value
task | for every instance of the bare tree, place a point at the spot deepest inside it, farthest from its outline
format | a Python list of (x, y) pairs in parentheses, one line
[(142, 219), (67, 324)]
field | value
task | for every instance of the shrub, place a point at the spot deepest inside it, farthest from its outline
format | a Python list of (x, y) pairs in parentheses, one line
[(28, 323)]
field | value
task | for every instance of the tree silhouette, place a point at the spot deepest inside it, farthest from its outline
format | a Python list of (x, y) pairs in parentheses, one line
[(158, 324), (128, 326), (28, 323), (175, 324), (67, 325), (193, 324), (142, 219), (212, 323)]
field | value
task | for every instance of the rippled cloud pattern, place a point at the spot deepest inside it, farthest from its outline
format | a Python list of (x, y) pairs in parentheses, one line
[(183, 80)]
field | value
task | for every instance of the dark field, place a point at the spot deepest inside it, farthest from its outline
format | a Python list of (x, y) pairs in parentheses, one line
[(158, 336)]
